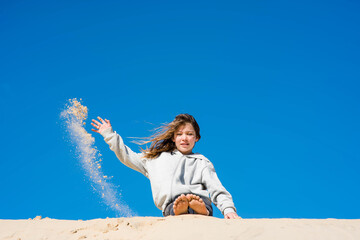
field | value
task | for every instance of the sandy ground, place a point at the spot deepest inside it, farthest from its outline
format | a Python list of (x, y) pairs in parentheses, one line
[(180, 227)]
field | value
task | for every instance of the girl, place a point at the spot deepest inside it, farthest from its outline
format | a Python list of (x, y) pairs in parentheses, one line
[(181, 181)]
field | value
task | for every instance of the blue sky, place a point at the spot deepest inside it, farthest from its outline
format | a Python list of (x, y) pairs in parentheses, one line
[(274, 86)]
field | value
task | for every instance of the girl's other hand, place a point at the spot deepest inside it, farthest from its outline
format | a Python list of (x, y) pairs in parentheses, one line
[(232, 215), (100, 126)]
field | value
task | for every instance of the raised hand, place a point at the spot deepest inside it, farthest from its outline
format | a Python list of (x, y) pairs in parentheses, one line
[(100, 126)]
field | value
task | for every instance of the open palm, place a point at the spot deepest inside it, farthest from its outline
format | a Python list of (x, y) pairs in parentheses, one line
[(100, 126)]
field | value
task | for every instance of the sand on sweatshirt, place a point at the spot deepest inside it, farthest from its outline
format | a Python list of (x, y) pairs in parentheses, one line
[(180, 227)]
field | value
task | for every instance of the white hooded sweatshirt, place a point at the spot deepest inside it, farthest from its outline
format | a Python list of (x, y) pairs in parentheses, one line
[(172, 174)]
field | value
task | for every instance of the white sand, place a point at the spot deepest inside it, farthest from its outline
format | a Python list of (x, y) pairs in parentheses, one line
[(181, 227), (74, 117)]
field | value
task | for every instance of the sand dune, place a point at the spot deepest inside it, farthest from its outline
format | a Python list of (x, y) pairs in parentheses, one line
[(181, 227)]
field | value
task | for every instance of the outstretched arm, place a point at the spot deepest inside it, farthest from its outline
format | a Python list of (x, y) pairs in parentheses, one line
[(100, 126), (116, 144)]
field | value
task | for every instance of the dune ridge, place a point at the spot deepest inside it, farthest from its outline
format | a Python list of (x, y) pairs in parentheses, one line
[(179, 227)]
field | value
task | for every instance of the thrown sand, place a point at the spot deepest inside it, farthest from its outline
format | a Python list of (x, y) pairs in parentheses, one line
[(180, 227)]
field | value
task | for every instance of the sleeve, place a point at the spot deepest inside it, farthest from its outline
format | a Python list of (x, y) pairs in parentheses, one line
[(218, 194), (124, 154)]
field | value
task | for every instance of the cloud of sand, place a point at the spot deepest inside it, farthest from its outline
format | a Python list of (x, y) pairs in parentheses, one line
[(74, 116)]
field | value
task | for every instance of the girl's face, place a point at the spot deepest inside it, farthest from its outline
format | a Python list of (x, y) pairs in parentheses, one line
[(185, 138)]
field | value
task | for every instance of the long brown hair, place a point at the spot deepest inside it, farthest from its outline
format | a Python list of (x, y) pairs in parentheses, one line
[(162, 139)]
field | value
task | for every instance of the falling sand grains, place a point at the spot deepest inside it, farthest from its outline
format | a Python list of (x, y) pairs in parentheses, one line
[(74, 116)]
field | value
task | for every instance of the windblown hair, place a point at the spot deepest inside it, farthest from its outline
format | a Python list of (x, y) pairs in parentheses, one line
[(162, 139)]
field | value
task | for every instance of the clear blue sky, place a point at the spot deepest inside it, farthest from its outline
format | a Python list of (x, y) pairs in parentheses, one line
[(274, 86)]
